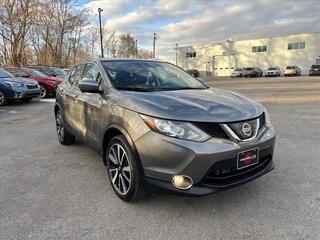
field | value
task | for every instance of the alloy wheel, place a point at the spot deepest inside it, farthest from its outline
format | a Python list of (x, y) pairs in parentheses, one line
[(119, 168), (43, 91), (60, 126), (2, 98)]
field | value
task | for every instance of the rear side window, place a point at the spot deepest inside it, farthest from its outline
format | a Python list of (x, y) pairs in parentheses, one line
[(75, 75)]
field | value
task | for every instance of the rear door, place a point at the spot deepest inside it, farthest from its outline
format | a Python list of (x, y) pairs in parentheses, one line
[(91, 104), (71, 93)]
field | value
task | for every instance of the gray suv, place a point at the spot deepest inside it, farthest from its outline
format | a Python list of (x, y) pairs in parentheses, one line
[(158, 127)]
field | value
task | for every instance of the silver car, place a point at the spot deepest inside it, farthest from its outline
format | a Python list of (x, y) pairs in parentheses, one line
[(158, 127)]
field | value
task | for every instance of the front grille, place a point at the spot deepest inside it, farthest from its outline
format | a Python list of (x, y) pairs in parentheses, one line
[(32, 86), (224, 173), (239, 128), (212, 129), (215, 130)]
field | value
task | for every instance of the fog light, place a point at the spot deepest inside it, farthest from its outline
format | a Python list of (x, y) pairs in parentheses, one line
[(182, 182)]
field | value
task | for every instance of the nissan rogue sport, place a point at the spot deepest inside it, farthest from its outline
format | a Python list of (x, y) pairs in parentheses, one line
[(156, 126)]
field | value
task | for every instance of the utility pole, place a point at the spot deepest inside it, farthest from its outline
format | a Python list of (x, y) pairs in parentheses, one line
[(101, 43), (176, 54), (136, 48), (154, 44)]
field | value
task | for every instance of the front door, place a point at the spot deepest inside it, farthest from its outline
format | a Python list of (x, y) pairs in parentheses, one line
[(91, 104)]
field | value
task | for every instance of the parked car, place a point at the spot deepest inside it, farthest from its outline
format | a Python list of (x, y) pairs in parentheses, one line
[(50, 71), (237, 72), (292, 71), (47, 84), (272, 72), (194, 72), (155, 125), (13, 89), (314, 70), (252, 72)]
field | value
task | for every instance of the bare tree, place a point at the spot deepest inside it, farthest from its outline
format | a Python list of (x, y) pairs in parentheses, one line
[(16, 18), (126, 47)]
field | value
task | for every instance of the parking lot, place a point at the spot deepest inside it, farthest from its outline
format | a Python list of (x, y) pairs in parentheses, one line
[(50, 191)]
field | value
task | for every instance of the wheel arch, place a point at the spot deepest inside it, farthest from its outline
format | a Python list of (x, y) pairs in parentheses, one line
[(114, 130)]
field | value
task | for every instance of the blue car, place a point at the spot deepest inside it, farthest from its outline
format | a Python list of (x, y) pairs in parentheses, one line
[(13, 89)]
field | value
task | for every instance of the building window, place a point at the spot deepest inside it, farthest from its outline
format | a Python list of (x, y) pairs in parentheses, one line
[(259, 49), (191, 54), (296, 45)]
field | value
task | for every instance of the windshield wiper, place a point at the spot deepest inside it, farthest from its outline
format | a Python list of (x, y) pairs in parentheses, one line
[(181, 88), (137, 89)]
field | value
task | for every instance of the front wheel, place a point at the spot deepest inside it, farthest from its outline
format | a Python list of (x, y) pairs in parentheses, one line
[(64, 136), (43, 91), (3, 98), (124, 171)]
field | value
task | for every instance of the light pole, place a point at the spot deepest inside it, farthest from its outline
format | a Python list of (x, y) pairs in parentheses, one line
[(176, 54), (136, 48), (154, 44), (101, 43)]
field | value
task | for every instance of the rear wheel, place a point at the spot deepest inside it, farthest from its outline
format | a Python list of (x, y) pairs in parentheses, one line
[(64, 137), (3, 98), (43, 91), (124, 171)]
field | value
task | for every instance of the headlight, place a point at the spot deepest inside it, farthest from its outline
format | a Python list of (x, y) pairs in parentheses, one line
[(182, 130), (13, 84), (267, 117)]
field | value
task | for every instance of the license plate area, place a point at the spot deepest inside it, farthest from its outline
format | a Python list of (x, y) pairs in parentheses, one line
[(247, 158)]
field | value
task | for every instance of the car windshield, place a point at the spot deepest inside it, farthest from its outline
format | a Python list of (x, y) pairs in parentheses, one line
[(290, 67), (36, 73), (59, 71), (272, 68), (248, 69), (149, 76), (315, 66), (5, 74)]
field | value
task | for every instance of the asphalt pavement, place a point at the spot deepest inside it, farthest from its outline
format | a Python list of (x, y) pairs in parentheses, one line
[(50, 191)]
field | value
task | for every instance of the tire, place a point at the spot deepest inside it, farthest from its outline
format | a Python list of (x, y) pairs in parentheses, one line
[(43, 91), (64, 136), (3, 99), (125, 175)]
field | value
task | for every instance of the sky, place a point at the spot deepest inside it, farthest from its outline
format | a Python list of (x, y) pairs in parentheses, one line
[(188, 22)]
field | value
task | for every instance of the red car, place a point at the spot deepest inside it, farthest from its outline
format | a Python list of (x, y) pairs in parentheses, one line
[(47, 84)]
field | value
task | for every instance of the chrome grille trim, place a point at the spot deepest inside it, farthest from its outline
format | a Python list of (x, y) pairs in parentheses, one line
[(235, 137)]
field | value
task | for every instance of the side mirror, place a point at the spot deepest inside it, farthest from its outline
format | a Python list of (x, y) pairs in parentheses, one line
[(90, 86)]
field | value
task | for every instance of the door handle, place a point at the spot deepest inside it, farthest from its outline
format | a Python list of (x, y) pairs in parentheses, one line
[(61, 92)]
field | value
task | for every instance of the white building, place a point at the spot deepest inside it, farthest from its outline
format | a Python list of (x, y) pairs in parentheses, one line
[(219, 59)]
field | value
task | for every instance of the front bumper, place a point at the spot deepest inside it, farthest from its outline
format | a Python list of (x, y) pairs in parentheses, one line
[(24, 93), (163, 157), (271, 74)]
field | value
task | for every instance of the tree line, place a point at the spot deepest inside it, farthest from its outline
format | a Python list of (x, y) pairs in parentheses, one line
[(55, 33)]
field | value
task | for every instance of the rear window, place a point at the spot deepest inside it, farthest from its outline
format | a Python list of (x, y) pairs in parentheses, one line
[(315, 66)]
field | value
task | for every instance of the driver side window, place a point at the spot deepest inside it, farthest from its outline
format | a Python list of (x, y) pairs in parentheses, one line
[(91, 72)]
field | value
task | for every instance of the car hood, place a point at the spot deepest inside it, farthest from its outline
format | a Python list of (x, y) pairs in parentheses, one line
[(19, 80), (54, 79), (209, 105)]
